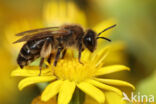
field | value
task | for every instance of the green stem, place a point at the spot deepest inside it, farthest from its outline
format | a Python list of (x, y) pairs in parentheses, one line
[(78, 97), (42, 86)]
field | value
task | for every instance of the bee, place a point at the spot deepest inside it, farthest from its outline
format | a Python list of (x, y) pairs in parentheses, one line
[(54, 41)]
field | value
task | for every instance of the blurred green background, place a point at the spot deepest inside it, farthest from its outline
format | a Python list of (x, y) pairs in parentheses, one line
[(135, 33)]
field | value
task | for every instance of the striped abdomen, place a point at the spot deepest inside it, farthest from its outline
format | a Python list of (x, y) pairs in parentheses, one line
[(29, 52)]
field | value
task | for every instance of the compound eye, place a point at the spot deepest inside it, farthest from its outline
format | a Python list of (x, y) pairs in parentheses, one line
[(89, 39)]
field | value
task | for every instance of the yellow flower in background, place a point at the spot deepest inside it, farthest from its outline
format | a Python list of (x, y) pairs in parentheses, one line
[(8, 87), (117, 54), (61, 12), (37, 100), (70, 74)]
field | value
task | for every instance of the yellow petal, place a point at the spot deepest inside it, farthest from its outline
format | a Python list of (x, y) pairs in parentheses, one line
[(86, 55), (111, 69), (30, 71), (51, 90), (32, 80), (66, 92), (115, 82), (92, 91), (100, 55), (104, 86), (113, 98)]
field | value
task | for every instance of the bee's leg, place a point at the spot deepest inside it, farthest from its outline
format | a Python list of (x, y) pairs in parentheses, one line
[(21, 66), (57, 55), (41, 63), (80, 50), (49, 58), (63, 53), (45, 51)]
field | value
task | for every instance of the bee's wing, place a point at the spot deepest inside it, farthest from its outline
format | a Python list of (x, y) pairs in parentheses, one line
[(36, 30), (43, 34), (25, 38)]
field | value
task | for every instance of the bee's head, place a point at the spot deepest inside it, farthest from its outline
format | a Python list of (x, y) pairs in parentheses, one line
[(90, 40)]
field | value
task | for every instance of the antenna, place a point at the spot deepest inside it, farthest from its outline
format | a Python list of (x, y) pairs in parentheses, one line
[(106, 30), (103, 38)]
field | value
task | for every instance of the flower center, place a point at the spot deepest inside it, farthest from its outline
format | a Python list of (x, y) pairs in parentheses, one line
[(71, 69)]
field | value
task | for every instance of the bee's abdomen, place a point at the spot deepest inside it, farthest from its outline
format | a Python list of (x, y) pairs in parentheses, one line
[(29, 52)]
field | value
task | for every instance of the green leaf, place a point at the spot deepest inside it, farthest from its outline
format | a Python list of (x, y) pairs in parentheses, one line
[(78, 97)]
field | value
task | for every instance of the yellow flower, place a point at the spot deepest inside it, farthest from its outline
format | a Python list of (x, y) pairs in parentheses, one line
[(61, 12), (70, 74)]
